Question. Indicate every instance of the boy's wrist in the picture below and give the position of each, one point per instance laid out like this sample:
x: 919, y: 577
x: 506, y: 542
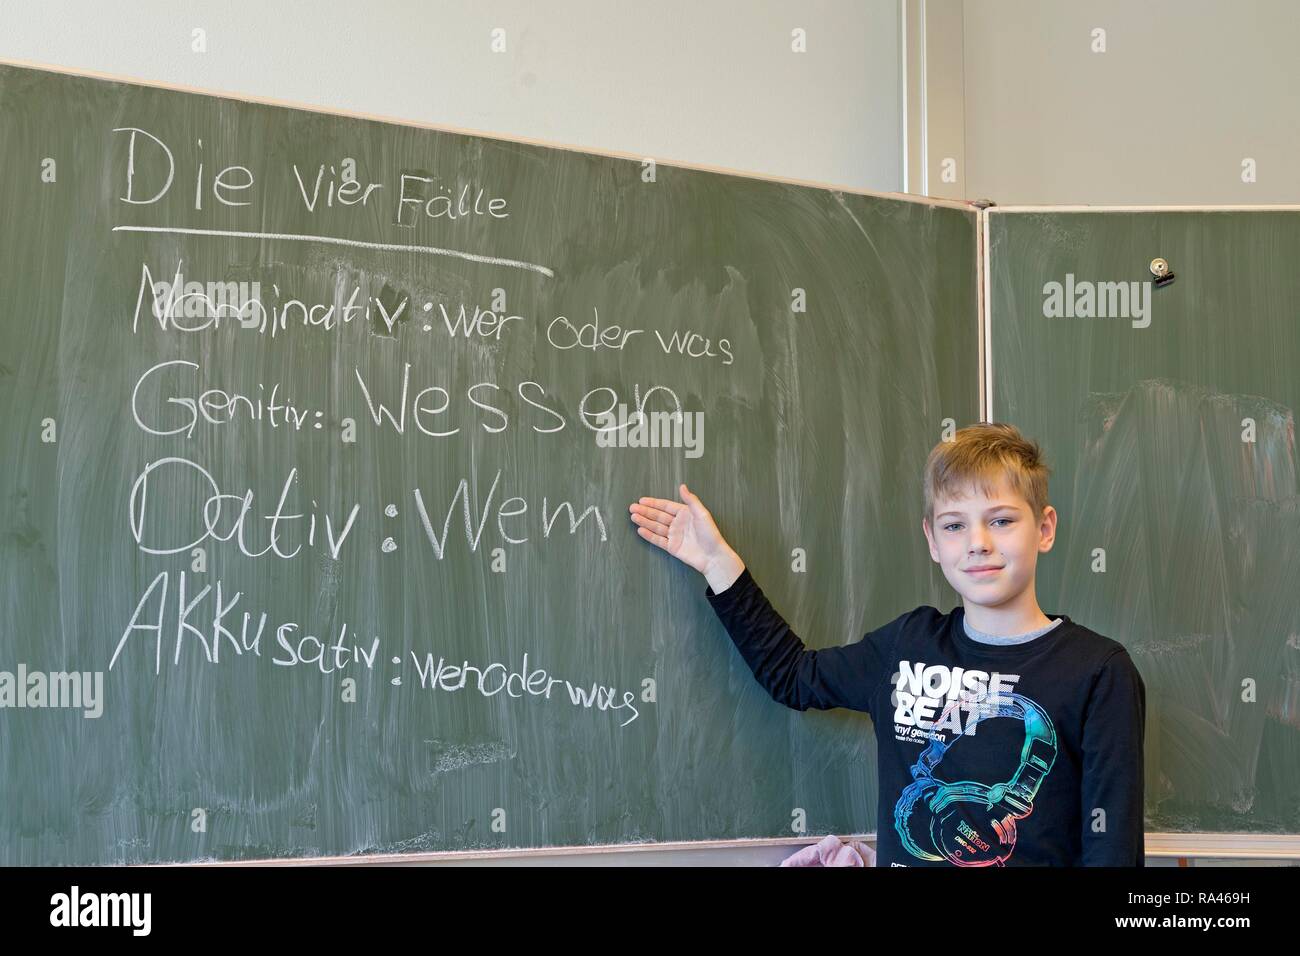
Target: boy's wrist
x: 722, y: 571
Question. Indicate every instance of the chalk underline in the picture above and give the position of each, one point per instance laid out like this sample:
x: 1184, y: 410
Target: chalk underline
x: 386, y: 246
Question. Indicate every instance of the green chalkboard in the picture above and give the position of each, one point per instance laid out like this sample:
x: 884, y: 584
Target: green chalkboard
x: 284, y: 512
x: 1169, y: 417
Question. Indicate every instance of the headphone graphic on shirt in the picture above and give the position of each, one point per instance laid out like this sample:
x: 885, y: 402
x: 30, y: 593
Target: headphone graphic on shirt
x: 929, y: 815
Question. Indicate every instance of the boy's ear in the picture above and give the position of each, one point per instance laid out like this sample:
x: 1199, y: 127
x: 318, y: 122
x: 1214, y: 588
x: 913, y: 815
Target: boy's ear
x: 1047, y: 529
x: 929, y: 538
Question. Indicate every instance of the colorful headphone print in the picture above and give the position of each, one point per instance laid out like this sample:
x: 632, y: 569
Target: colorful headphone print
x: 969, y: 823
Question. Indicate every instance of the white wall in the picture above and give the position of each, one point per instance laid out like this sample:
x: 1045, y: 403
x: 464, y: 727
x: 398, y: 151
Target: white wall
x: 709, y: 82
x: 1185, y: 91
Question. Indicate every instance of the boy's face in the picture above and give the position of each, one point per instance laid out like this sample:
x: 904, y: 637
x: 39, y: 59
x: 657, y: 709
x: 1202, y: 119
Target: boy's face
x: 998, y: 533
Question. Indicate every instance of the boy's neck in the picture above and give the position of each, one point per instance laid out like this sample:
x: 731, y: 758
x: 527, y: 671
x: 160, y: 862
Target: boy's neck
x: 1020, y: 615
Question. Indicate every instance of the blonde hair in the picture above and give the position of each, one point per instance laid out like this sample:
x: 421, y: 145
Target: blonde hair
x: 981, y: 455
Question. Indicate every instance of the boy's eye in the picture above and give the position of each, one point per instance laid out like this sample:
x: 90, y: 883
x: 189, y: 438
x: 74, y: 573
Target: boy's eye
x: 958, y: 524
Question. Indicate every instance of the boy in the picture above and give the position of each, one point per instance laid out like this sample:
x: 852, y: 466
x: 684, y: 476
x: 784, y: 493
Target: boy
x: 1057, y: 784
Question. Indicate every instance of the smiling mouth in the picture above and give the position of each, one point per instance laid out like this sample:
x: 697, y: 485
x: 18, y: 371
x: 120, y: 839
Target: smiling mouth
x: 982, y: 571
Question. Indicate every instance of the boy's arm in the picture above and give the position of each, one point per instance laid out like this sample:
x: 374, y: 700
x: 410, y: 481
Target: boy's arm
x: 795, y: 676
x: 1113, y: 728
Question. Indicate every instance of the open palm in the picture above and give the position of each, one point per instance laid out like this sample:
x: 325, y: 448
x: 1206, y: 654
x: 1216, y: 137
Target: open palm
x: 685, y: 530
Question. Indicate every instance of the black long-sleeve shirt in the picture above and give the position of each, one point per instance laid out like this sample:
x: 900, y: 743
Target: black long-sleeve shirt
x: 1010, y: 755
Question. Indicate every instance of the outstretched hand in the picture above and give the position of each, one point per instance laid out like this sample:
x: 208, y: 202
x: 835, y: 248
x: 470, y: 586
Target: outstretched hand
x: 685, y: 530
